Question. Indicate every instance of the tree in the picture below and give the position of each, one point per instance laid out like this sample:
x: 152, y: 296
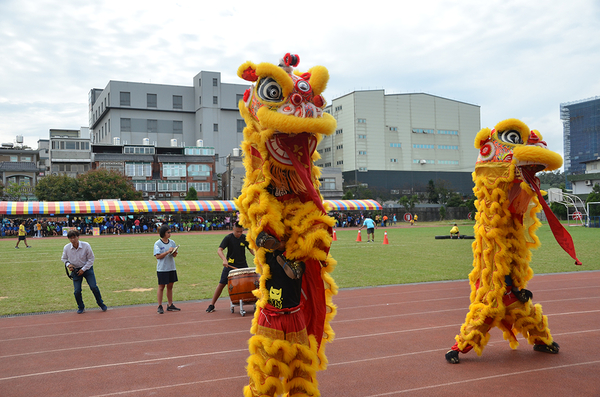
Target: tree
x: 442, y: 213
x: 594, y: 197
x: 432, y: 194
x: 559, y: 210
x: 554, y: 179
x: 191, y: 194
x: 409, y: 202
x: 102, y: 184
x: 1, y: 189
x: 56, y: 188
x: 348, y: 195
x: 455, y: 200
x: 14, y: 191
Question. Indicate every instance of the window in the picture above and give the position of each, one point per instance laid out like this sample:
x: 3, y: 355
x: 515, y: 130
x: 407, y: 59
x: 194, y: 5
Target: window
x: 151, y: 100
x: 327, y: 165
x: 199, y: 101
x: 240, y: 125
x: 16, y: 158
x: 448, y: 162
x: 215, y: 82
x: 125, y: 98
x: 327, y: 183
x: 448, y: 147
x: 393, y: 160
x: 216, y: 127
x: 215, y: 100
x: 338, y: 147
x: 340, y: 131
x: 70, y: 145
x: 200, y: 128
x: 362, y: 169
x: 177, y: 102
x: 152, y: 125
x: 125, y: 125
x: 25, y: 158
x: 422, y: 131
x: 177, y: 127
x: 418, y: 146
x: 173, y: 169
x: 138, y: 150
x: 339, y: 162
x: 448, y: 132
x: 362, y: 121
x: 198, y: 170
x: 138, y: 169
x: 200, y: 151
x: 144, y: 186
x: 200, y: 186
x: 420, y: 161
x: 362, y: 136
x: 395, y: 145
x: 362, y: 152
x: 238, y: 98
x: 338, y: 108
x: 393, y: 128
x: 172, y: 187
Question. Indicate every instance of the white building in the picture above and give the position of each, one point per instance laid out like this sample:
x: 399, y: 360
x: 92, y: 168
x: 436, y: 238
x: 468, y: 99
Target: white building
x: 204, y: 114
x: 584, y: 183
x: 399, y: 142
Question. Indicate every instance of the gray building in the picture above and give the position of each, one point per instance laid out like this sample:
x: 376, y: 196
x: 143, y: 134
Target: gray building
x: 69, y: 152
x: 399, y: 142
x: 19, y: 166
x: 204, y: 114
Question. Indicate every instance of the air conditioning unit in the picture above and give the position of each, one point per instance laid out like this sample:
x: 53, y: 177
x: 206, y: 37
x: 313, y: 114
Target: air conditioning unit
x: 181, y: 194
x: 168, y: 194
x: 161, y: 195
x: 145, y: 194
x: 152, y: 197
x: 588, y: 183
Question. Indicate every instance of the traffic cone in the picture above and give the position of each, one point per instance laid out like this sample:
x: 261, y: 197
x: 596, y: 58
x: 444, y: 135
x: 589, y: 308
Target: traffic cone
x: 334, y: 236
x: 385, y: 239
x: 358, y: 239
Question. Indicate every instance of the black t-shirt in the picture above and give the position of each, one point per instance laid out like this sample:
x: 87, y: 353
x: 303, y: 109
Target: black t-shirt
x: 236, y: 256
x: 284, y: 292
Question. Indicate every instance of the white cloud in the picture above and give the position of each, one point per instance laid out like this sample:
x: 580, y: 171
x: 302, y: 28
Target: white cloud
x: 513, y: 58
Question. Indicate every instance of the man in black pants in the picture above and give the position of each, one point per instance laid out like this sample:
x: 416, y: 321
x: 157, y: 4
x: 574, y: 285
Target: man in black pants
x: 236, y: 244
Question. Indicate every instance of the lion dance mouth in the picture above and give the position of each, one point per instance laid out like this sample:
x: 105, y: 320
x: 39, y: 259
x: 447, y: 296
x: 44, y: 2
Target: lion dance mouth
x: 284, y: 146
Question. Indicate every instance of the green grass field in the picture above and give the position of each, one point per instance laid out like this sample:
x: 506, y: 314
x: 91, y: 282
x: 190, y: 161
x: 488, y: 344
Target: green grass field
x: 34, y: 280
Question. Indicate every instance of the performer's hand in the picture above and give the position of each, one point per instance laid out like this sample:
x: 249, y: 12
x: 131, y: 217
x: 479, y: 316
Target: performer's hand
x: 80, y: 272
x: 225, y: 264
x: 71, y: 267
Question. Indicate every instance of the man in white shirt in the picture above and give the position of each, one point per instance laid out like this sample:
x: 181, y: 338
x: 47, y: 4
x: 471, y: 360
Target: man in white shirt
x: 79, y: 259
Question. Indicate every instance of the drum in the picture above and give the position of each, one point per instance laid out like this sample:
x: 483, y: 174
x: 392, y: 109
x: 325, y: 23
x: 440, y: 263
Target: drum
x: 241, y: 283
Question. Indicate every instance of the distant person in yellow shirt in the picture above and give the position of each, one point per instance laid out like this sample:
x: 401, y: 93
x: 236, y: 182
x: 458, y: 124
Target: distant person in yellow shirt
x: 22, y: 235
x: 454, y: 233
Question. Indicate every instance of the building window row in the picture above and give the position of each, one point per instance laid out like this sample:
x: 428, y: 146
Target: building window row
x: 70, y: 145
x: 327, y: 165
x: 338, y: 108
x: 151, y: 100
x: 200, y: 186
x: 393, y: 128
x: 199, y: 170
x: 172, y: 187
x: 421, y: 146
x: 448, y: 147
x: 422, y: 161
x: 138, y: 169
x: 200, y: 151
x: 327, y: 183
x: 360, y: 136
x: 362, y: 121
x: 340, y: 162
x: 151, y: 126
x: 393, y: 144
x: 448, y: 162
x: 173, y: 169
x: 448, y: 132
x: 362, y: 152
x: 338, y: 147
x: 138, y: 150
x: 423, y: 131
x: 340, y: 131
x: 393, y: 160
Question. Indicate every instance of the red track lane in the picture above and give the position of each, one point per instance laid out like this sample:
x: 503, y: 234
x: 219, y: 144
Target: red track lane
x: 390, y: 341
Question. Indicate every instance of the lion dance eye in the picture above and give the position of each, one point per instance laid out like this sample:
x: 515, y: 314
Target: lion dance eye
x: 487, y: 151
x: 303, y: 86
x: 510, y: 136
x: 269, y: 90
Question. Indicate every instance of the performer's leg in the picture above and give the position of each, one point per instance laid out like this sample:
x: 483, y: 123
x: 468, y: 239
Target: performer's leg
x: 474, y: 334
x: 529, y: 321
x: 265, y: 367
x: 303, y: 368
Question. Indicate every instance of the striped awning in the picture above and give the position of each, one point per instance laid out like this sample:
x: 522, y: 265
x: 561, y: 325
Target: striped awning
x: 352, y: 205
x: 141, y: 207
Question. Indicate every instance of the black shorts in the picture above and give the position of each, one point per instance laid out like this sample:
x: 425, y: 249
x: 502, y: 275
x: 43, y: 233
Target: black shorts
x: 371, y: 230
x: 165, y: 278
x: 225, y: 273
x: 21, y: 238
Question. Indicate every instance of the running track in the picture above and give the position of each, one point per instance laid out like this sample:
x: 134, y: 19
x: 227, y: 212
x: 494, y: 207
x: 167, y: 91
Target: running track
x: 390, y: 341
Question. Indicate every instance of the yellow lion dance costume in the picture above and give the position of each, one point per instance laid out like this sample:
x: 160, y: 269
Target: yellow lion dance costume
x: 508, y: 198
x: 288, y: 226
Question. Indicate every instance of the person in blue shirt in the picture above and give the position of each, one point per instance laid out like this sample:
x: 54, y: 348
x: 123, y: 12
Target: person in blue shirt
x: 370, y: 224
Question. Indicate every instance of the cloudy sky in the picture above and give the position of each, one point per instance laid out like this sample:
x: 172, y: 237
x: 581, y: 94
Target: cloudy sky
x: 513, y: 58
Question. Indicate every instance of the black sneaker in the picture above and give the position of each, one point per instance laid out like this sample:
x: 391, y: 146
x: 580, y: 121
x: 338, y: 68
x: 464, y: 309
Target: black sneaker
x: 211, y: 308
x: 552, y: 349
x: 452, y: 357
x: 160, y: 309
x: 172, y: 308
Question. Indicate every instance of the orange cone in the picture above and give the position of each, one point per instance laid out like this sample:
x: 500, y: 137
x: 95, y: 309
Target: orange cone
x: 334, y: 236
x: 385, y: 239
x: 358, y: 239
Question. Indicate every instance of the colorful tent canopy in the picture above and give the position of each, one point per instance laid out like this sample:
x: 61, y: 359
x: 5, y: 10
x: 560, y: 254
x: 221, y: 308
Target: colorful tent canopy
x: 141, y: 207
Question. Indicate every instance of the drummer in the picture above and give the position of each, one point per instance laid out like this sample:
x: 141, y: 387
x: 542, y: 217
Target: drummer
x: 236, y: 244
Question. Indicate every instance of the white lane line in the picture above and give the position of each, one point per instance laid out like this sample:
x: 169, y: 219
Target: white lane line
x: 139, y: 362
x: 126, y: 343
x: 485, y: 378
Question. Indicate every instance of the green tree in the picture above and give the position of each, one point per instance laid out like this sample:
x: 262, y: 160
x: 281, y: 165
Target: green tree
x: 409, y: 202
x: 432, y: 193
x: 348, y: 195
x: 442, y: 213
x: 594, y: 197
x: 102, y: 184
x: 14, y: 191
x: 56, y: 188
x: 192, y: 194
x: 1, y: 190
x: 559, y: 210
x: 455, y: 200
